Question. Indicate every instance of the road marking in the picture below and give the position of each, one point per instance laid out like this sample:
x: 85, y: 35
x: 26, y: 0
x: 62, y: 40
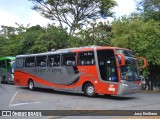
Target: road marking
x: 11, y: 105
x: 18, y: 104
x: 13, y: 98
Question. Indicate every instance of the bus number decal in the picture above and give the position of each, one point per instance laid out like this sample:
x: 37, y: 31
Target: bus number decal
x: 111, y: 88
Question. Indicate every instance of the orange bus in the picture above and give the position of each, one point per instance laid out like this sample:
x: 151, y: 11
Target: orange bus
x: 91, y: 69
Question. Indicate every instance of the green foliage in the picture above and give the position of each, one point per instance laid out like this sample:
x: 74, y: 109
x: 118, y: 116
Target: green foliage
x: 97, y: 34
x: 52, y: 38
x: 33, y: 39
x: 73, y: 13
x: 75, y: 41
x: 6, y: 33
x: 142, y: 37
x: 150, y: 9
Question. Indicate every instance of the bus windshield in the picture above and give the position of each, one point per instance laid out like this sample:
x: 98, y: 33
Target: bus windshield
x: 130, y: 71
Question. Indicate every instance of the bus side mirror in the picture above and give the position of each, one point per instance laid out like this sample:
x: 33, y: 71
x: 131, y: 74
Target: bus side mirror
x: 144, y: 62
x: 121, y: 59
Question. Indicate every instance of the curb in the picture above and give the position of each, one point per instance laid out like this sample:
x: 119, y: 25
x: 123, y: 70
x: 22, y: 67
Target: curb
x: 150, y: 91
x: 145, y: 117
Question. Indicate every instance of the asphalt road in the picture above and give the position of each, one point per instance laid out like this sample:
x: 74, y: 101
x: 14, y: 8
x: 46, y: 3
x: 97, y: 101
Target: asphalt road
x: 20, y: 98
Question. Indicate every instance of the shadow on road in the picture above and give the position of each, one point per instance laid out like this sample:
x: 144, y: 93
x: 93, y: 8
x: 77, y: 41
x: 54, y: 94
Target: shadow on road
x: 51, y: 91
x: 6, y: 83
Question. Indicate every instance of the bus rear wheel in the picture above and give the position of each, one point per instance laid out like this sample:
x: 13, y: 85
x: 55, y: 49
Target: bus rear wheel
x: 89, y: 90
x: 31, y: 85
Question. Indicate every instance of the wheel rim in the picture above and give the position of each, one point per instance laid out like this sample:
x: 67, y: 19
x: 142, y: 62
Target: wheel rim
x: 90, y: 90
x: 31, y: 85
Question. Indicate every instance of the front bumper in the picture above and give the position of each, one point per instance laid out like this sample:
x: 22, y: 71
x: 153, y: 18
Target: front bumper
x: 128, y: 88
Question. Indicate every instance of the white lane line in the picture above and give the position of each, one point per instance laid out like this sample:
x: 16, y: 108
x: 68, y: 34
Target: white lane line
x: 23, y: 104
x: 11, y: 105
x: 13, y: 98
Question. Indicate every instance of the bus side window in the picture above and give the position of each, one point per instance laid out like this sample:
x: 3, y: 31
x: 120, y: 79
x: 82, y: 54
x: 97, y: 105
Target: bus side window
x: 41, y: 61
x: 53, y: 60
x: 30, y: 62
x: 20, y: 62
x: 69, y: 59
x: 86, y: 58
x: 2, y: 64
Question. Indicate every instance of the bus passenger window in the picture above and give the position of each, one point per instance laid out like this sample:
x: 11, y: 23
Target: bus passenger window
x: 86, y: 58
x: 53, y: 60
x: 41, y: 61
x: 69, y: 59
x: 29, y: 62
x: 2, y: 64
x: 19, y: 62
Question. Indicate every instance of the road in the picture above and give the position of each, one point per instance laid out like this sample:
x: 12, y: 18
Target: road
x: 20, y: 98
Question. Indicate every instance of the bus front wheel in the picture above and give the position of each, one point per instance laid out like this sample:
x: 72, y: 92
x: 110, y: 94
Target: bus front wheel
x: 31, y: 85
x: 89, y: 90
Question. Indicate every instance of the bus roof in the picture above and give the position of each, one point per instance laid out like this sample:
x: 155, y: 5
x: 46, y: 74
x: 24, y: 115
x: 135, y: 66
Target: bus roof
x: 69, y: 50
x: 8, y: 58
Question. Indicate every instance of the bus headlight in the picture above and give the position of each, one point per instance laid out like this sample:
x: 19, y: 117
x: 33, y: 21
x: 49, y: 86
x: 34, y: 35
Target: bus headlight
x: 124, y: 84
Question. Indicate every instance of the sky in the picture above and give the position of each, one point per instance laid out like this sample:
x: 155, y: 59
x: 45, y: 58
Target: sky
x: 20, y: 11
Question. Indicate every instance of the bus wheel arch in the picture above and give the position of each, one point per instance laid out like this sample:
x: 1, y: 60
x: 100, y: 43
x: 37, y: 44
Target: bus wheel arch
x: 88, y: 89
x: 31, y: 84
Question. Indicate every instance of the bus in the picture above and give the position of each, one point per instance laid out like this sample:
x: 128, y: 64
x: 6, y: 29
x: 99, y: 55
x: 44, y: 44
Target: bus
x: 91, y: 70
x: 7, y: 65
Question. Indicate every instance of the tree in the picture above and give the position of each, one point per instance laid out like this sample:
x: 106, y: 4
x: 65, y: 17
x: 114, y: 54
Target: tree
x: 142, y: 36
x: 133, y: 33
x: 6, y: 33
x: 98, y: 34
x: 150, y: 9
x: 52, y: 38
x: 21, y: 28
x: 73, y: 13
x: 35, y: 39
x: 28, y: 38
x: 2, y: 44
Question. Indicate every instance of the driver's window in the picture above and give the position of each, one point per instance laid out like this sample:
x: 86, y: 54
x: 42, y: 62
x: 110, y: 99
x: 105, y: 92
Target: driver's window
x: 111, y: 70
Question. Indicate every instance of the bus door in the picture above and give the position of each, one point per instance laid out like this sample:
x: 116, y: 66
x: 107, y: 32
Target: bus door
x: 111, y: 70
x: 108, y: 70
x: 107, y: 65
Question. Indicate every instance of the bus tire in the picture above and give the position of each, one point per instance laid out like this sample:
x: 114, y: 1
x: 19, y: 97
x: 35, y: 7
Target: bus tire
x: 89, y: 90
x: 3, y: 79
x: 31, y: 85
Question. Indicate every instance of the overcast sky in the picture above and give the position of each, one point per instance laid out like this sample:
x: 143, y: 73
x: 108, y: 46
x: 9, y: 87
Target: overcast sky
x: 20, y: 11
